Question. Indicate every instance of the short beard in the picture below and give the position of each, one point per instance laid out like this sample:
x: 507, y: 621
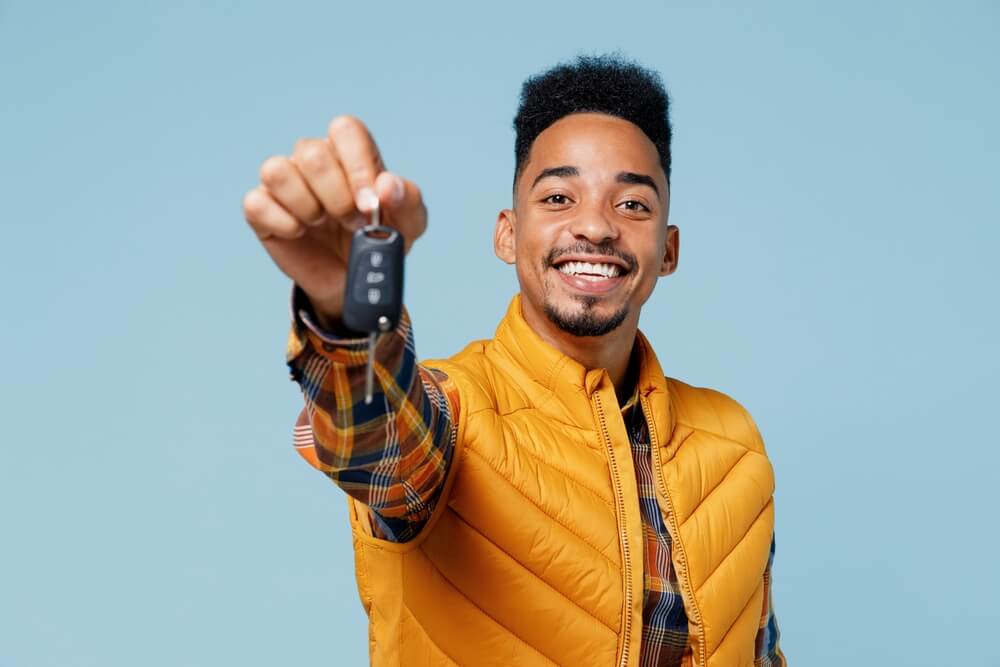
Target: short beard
x: 586, y: 323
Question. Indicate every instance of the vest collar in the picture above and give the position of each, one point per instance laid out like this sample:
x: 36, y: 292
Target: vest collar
x: 556, y: 372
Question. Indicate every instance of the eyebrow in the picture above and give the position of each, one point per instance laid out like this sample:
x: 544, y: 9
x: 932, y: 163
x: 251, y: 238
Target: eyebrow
x: 622, y: 176
x: 637, y: 179
x: 558, y: 172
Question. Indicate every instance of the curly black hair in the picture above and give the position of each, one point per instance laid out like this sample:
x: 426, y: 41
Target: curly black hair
x: 608, y: 84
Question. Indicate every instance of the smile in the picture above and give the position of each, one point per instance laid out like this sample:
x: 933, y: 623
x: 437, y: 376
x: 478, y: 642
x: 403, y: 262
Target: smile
x: 592, y: 278
x: 589, y: 271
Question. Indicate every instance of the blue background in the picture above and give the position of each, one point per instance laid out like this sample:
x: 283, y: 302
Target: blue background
x: 835, y: 182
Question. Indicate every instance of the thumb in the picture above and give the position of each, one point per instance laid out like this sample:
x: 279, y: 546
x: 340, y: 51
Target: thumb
x: 402, y: 205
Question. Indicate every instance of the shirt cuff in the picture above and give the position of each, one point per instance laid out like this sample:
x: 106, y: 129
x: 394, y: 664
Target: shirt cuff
x: 306, y: 333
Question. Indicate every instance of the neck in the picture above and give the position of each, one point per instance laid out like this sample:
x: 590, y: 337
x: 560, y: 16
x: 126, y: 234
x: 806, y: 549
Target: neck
x: 611, y: 351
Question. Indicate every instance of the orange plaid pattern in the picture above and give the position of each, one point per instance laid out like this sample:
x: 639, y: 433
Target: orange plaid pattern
x: 391, y: 454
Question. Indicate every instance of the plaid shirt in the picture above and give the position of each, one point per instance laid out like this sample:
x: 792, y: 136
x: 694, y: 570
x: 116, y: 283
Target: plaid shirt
x: 393, y: 455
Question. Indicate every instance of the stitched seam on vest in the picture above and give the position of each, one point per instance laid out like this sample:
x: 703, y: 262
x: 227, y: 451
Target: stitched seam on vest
x: 735, y: 621
x: 546, y: 385
x: 554, y: 371
x: 606, y: 502
x: 545, y: 583
x: 426, y: 634
x: 722, y: 481
x: 735, y: 546
x: 541, y: 509
x: 537, y: 407
x: 516, y: 382
x: 481, y: 610
x: 718, y: 435
x: 678, y: 446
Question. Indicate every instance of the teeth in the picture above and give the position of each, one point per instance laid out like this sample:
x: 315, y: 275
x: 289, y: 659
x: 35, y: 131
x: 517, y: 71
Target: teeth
x: 588, y: 270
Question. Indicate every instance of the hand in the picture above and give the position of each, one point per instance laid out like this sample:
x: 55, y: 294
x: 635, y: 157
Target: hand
x: 308, y: 206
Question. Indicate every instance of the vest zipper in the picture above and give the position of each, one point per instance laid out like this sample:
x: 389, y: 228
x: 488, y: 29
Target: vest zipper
x: 622, y: 532
x: 673, y: 529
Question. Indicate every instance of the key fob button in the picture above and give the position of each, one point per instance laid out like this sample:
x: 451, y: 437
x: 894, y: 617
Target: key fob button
x: 374, y: 290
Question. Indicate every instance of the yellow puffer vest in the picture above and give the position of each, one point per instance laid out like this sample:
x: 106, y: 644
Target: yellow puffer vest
x: 534, y: 553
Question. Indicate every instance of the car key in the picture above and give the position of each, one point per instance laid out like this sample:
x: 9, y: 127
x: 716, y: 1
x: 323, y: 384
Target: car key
x: 373, y: 296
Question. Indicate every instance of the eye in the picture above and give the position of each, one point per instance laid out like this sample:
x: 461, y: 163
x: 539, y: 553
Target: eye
x: 557, y: 199
x: 634, y: 205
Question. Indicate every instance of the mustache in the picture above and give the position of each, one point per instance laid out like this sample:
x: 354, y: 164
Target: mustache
x: 587, y: 248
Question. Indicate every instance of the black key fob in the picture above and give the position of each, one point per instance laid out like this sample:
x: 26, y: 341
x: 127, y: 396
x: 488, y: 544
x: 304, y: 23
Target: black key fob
x: 373, y: 296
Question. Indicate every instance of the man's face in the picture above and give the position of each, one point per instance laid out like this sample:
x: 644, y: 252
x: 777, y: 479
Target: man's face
x: 588, y: 231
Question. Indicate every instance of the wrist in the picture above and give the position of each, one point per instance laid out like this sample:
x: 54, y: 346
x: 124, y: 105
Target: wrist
x: 328, y: 321
x: 326, y: 313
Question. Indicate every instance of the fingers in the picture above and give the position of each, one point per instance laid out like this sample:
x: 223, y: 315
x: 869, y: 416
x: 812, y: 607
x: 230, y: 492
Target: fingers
x: 336, y: 179
x: 390, y: 190
x: 403, y: 204
x: 358, y: 155
x: 268, y: 218
x: 325, y: 178
x: 287, y: 186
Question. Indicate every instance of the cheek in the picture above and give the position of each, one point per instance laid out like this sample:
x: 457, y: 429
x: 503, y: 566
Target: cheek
x: 529, y: 267
x: 531, y: 251
x: 532, y: 274
x: 651, y: 263
x: 652, y: 254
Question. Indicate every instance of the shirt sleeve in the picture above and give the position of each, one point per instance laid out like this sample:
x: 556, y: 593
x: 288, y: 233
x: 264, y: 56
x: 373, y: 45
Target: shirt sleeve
x: 391, y: 454
x: 767, y: 652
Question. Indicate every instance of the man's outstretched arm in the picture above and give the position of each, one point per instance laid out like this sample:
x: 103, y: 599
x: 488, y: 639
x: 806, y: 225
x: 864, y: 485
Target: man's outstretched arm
x: 391, y: 454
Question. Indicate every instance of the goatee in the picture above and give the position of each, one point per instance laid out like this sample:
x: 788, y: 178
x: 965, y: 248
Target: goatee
x: 586, y: 322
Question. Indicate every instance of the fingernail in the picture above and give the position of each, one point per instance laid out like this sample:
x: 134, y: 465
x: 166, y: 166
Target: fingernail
x: 366, y: 199
x: 398, y: 190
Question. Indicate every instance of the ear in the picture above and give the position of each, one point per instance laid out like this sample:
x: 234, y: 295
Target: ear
x: 504, y: 241
x: 671, y: 251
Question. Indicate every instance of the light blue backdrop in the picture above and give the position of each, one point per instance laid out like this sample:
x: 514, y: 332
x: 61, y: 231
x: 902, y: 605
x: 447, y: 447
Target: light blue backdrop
x: 836, y: 187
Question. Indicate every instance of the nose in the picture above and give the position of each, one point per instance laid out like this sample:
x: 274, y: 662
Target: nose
x: 594, y: 226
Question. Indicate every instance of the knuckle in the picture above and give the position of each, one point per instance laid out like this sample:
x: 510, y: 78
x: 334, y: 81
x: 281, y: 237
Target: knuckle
x: 342, y: 208
x: 360, y: 171
x: 312, y: 156
x: 274, y: 171
x: 254, y: 205
x: 344, y: 122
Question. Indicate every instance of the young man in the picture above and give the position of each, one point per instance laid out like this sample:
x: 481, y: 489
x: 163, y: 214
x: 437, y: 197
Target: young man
x: 547, y: 496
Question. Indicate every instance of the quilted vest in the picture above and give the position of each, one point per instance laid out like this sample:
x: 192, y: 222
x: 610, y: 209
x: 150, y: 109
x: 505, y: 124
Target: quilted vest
x: 534, y: 554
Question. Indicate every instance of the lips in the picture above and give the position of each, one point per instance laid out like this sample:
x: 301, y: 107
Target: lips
x: 591, y: 275
x: 590, y: 284
x: 591, y: 269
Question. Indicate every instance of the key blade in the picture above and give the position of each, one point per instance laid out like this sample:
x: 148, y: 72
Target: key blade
x: 375, y: 212
x: 370, y: 369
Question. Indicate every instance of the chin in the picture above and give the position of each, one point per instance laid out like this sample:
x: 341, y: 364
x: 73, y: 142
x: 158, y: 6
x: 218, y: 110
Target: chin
x: 584, y: 318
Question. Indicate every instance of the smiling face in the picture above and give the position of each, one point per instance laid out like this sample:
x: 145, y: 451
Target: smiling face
x: 588, y: 232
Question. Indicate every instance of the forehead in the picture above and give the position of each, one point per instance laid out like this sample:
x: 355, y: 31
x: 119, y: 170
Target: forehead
x: 596, y: 143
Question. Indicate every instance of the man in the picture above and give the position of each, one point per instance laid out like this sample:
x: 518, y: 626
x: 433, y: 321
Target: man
x: 547, y: 496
